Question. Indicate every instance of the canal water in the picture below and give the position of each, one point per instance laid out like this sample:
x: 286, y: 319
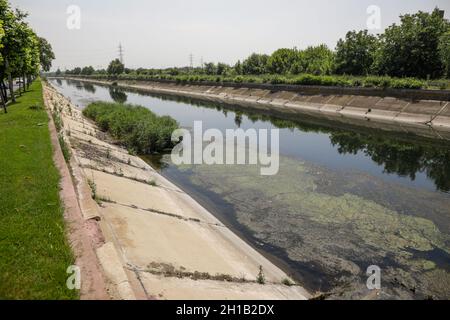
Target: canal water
x: 345, y: 198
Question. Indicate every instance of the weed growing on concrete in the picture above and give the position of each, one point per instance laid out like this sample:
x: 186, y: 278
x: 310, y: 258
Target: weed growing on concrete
x: 64, y: 148
x: 261, y: 279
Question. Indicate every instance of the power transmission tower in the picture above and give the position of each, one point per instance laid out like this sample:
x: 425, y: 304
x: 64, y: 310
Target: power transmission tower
x: 191, y: 61
x: 120, y: 52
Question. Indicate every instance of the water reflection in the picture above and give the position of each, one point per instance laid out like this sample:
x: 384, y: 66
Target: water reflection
x: 404, y: 159
x: 327, y: 220
x: 118, y: 95
x: 81, y: 85
x: 89, y: 87
x: 397, y: 153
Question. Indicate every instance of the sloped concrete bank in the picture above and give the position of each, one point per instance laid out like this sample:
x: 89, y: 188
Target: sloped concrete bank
x: 158, y: 242
x: 429, y: 118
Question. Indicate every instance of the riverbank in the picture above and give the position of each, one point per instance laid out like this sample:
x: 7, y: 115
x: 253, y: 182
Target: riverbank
x: 34, y: 251
x: 158, y: 242
x: 428, y: 118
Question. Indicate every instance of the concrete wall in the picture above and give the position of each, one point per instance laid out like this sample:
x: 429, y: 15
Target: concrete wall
x: 429, y: 118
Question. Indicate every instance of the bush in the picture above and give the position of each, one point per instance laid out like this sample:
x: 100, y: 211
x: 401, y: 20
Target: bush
x: 303, y: 79
x: 376, y: 82
x: 407, y: 83
x: 136, y: 127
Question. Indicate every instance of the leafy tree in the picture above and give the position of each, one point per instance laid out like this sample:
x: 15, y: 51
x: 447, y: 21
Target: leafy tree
x: 210, y: 68
x: 2, y: 96
x: 9, y: 44
x: 58, y: 72
x: 355, y: 55
x: 87, y: 70
x: 2, y: 34
x: 411, y: 48
x: 317, y: 60
x: 222, y: 68
x: 444, y: 51
x: 46, y: 54
x: 116, y: 67
x: 238, y: 67
x: 255, y: 64
x: 282, y: 61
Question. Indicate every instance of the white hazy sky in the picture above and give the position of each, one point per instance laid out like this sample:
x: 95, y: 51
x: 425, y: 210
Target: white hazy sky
x: 156, y: 33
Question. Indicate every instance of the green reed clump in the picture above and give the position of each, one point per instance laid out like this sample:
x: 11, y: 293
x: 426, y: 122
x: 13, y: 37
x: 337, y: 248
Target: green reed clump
x: 139, y: 129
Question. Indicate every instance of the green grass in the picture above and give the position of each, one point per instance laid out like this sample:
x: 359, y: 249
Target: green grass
x: 34, y: 251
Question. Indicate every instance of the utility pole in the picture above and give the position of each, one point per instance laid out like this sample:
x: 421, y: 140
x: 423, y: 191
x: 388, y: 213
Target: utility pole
x: 120, y: 53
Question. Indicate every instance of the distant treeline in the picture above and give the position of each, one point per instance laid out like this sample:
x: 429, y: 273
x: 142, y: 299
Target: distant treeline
x: 418, y: 49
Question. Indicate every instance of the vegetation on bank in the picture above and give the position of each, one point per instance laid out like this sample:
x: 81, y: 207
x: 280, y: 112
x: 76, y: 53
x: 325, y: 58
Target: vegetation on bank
x: 34, y: 252
x: 304, y: 79
x: 139, y: 129
x: 411, y: 55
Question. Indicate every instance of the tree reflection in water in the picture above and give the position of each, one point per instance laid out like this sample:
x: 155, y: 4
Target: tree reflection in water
x: 395, y: 152
x: 118, y: 95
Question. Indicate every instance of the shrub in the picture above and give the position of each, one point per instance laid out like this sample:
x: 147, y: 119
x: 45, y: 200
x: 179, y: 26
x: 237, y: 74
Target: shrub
x: 376, y: 82
x: 261, y: 279
x: 64, y: 148
x: 407, y: 83
x: 58, y: 121
x: 136, y: 127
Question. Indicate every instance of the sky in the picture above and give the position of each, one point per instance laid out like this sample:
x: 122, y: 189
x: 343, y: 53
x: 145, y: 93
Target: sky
x: 158, y: 34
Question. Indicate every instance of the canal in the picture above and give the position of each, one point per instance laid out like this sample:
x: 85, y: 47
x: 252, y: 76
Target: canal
x: 345, y: 197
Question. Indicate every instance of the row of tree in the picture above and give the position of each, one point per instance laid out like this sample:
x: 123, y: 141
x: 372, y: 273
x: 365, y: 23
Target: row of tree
x: 22, y: 52
x: 115, y: 67
x: 419, y: 46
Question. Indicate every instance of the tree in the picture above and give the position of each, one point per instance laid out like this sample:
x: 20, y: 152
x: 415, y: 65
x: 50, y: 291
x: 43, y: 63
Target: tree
x: 411, y: 48
x: 238, y: 67
x: 87, y: 71
x: 282, y: 61
x: 255, y: 64
x: 58, y: 72
x: 355, y: 55
x: 444, y: 52
x: 19, y: 50
x: 10, y: 44
x: 46, y: 54
x: 210, y: 68
x: 116, y: 67
x: 222, y: 68
x: 317, y: 60
x: 2, y: 34
x: 76, y: 71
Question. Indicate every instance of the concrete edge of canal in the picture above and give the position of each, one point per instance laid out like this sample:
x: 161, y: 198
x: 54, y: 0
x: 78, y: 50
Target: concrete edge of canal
x: 427, y: 118
x: 146, y: 238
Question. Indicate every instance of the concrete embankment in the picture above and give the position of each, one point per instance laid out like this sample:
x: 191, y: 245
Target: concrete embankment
x: 158, y: 242
x: 429, y: 118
